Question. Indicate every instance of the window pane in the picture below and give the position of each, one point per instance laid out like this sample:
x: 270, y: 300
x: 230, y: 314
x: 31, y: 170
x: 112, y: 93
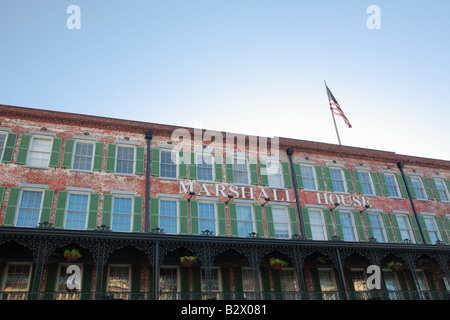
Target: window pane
x: 125, y: 160
x: 308, y: 177
x: 392, y: 185
x: 317, y: 224
x: 2, y: 144
x: 121, y: 215
x: 366, y: 183
x: 82, y: 158
x: 338, y: 182
x: 119, y: 279
x: 417, y: 185
x: 442, y: 190
x: 77, y: 209
x: 206, y: 216
x: 347, y: 226
x: 29, y: 208
x: 240, y: 170
x: 274, y: 174
x: 377, y: 227
x: 17, y: 280
x: 168, y: 216
x: 280, y: 222
x: 39, y: 154
x: 168, y: 164
x: 244, y: 220
x: 204, y: 167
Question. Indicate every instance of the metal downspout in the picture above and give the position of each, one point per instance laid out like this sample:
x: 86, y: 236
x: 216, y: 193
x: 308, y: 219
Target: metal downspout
x: 289, y: 152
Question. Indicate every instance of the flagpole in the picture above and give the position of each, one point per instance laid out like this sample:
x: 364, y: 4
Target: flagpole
x: 334, y: 119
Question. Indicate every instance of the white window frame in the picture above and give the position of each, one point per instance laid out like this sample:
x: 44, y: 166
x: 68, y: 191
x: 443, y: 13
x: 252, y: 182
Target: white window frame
x: 29, y: 152
x: 16, y: 218
x: 67, y: 208
x: 353, y: 226
x: 124, y: 294
x: 313, y: 169
x: 422, y: 188
x: 335, y: 291
x: 116, y: 159
x: 92, y: 155
x: 444, y: 185
x: 381, y: 222
x: 237, y: 158
x: 202, y: 156
x: 131, y: 213
x: 410, y: 230
x: 277, y: 162
x: 396, y: 186
x: 2, y: 147
x: 287, y: 223
x: 5, y: 275
x: 216, y: 220
x: 177, y: 217
x: 436, y: 230
x: 288, y: 294
x: 177, y: 292
x: 250, y: 294
x: 252, y: 212
x: 219, y: 281
x: 372, y: 187
x: 176, y: 164
x: 344, y: 181
x: 60, y: 295
x: 323, y: 224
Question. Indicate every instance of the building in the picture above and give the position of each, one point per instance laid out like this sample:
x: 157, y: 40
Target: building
x: 134, y: 198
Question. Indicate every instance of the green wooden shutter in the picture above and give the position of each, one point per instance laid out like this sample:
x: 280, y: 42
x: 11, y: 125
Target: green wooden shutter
x: 182, y: 165
x: 221, y: 214
x: 435, y: 189
x: 440, y: 223
x: 195, y: 224
x: 233, y: 219
x: 111, y: 157
x: 60, y: 211
x: 10, y: 145
x: 226, y: 283
x: 447, y: 223
x: 155, y: 161
x: 229, y: 168
x: 218, y: 167
x: 86, y: 285
x: 267, y: 288
x: 137, y: 213
x: 326, y: 170
x: 328, y: 223
x: 425, y: 230
x: 154, y: 213
x: 263, y: 169
x: 135, y: 281
x: 254, y: 171
x: 359, y: 226
x: 98, y: 156
x: 238, y: 285
x: 197, y: 283
x: 337, y: 221
x: 23, y: 148
x: 319, y: 176
x: 47, y: 205
x: 384, y: 184
x: 411, y: 188
x: 388, y: 226
x: 295, y: 230
x: 56, y: 152
x: 107, y: 209
x: 140, y: 153
x: 316, y: 283
x: 193, y: 167
x: 2, y: 193
x: 94, y: 199
x: 269, y: 222
x: 11, y: 206
x: 50, y: 281
x: 184, y: 223
x: 259, y: 220
x: 368, y: 224
x: 415, y: 228
x: 307, y: 224
x: 184, y: 282
x: 402, y: 186
x: 426, y: 184
x: 286, y: 174
x: 376, y: 183
x: 68, y: 152
x: 298, y: 175
x: 397, y: 232
x: 357, y: 181
x: 348, y: 179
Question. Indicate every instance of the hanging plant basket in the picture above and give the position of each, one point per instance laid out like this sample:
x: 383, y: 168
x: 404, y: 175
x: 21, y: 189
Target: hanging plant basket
x: 277, y: 264
x: 72, y: 255
x: 395, y: 266
x: 188, y: 261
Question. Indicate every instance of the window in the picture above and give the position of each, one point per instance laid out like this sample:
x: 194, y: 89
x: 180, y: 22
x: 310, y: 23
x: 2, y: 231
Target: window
x: 366, y: 182
x: 418, y: 188
x: 168, y: 283
x: 289, y: 285
x: 168, y: 216
x: 274, y: 174
x: 359, y: 278
x: 240, y: 170
x: 337, y: 180
x: 348, y: 227
x: 309, y: 181
x: 281, y: 222
x: 207, y: 216
x: 16, y: 282
x: 392, y: 286
x: 168, y: 167
x: 377, y: 227
x: 2, y: 144
x: 392, y: 186
x: 317, y: 224
x: 125, y: 160
x: 405, y: 228
x: 205, y: 170
x: 119, y: 281
x: 248, y: 284
x: 40, y: 152
x: 61, y: 290
x: 430, y: 223
x: 214, y: 284
x: 244, y: 220
x: 122, y: 214
x: 29, y: 208
x: 442, y: 190
x: 423, y: 285
x: 83, y: 155
x: 328, y: 284
x: 77, y: 211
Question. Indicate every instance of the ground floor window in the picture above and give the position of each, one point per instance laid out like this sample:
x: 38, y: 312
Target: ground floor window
x: 119, y: 281
x: 16, y: 282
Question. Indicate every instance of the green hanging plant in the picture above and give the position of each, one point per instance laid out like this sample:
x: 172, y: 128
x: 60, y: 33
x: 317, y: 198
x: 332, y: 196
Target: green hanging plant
x: 277, y: 264
x: 188, y: 261
x: 72, y: 255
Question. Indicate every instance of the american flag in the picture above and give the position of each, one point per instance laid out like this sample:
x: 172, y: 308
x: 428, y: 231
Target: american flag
x: 334, y: 105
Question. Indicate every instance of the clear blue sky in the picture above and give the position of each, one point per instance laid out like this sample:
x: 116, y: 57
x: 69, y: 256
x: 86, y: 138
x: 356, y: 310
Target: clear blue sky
x: 254, y: 67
